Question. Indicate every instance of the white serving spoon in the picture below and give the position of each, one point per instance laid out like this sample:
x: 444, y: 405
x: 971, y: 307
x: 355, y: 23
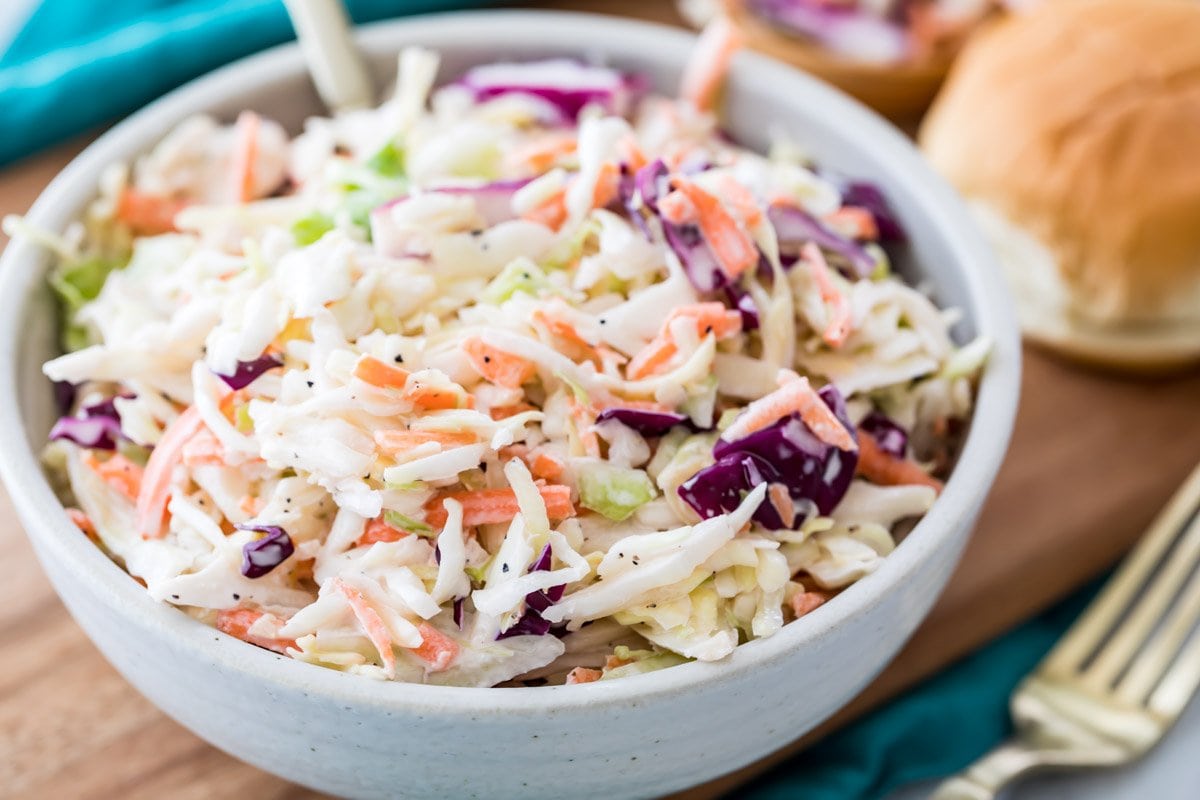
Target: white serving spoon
x: 338, y: 70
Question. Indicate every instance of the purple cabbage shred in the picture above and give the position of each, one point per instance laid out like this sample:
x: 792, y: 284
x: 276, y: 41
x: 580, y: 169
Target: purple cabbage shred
x: 891, y: 437
x: 816, y: 475
x: 647, y: 423
x: 263, y: 555
x: 531, y: 622
x: 247, y: 372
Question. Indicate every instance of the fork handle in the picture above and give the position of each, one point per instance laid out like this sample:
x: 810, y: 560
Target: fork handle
x: 984, y: 779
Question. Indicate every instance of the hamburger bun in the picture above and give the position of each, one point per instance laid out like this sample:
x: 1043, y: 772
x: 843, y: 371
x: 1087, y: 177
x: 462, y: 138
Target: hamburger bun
x: 1074, y: 131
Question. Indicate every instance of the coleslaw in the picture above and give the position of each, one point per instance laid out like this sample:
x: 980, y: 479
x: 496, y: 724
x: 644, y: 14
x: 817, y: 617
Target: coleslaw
x: 532, y: 378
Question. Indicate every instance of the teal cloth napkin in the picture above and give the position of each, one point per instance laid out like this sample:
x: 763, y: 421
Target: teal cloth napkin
x: 931, y: 731
x: 79, y: 63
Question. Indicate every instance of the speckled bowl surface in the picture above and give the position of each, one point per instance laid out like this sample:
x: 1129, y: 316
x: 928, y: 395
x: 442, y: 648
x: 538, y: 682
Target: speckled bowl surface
x: 637, y: 737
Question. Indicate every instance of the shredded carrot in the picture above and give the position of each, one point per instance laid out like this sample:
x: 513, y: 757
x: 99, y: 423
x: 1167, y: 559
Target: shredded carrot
x: 545, y: 466
x: 712, y: 318
x: 509, y: 452
x: 612, y: 662
x: 539, y: 155
x: 375, y: 372
x: 203, y: 449
x: 237, y: 623
x: 504, y: 412
x: 730, y: 243
x: 483, y: 506
x: 794, y: 397
x: 118, y: 472
x: 640, y: 405
x: 499, y: 367
x: 156, y: 485
x: 438, y: 398
x: 837, y: 330
x: 554, y: 318
x: 740, y: 199
x: 854, y: 221
x: 606, y: 187
x: 677, y: 208
x: 652, y: 358
x: 610, y: 360
x: 394, y: 442
x: 584, y: 418
x: 147, y: 214
x: 371, y: 623
x: 437, y: 649
x: 82, y: 521
x: 378, y: 530
x: 781, y: 501
x: 250, y: 505
x: 583, y: 675
x: 631, y: 153
x: 541, y: 464
x: 229, y: 402
x: 804, y: 602
x: 244, y: 155
x: 709, y: 63
x: 881, y: 467
x: 552, y: 213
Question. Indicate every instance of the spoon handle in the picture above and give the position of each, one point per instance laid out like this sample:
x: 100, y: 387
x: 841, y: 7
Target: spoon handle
x: 337, y: 67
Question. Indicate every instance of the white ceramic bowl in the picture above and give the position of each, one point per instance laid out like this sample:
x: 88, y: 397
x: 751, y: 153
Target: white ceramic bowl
x: 636, y: 737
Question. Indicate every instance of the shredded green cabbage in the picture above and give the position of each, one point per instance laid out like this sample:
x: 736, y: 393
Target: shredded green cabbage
x: 520, y: 275
x: 614, y: 492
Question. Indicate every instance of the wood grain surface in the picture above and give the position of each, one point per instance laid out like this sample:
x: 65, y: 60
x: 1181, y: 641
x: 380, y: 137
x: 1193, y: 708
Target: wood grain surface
x: 1092, y: 460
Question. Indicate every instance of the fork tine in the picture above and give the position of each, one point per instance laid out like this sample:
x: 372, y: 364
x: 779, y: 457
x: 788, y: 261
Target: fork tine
x: 1135, y: 629
x: 1160, y: 653
x: 1179, y: 684
x: 1098, y: 620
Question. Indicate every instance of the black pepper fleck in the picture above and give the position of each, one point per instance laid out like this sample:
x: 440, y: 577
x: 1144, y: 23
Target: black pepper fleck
x: 399, y: 359
x: 310, y: 384
x: 504, y: 567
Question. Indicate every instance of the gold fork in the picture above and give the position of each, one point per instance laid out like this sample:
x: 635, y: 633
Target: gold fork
x: 1121, y: 675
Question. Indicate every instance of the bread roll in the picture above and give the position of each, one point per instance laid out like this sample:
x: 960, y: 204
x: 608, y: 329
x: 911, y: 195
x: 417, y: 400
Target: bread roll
x: 1074, y: 131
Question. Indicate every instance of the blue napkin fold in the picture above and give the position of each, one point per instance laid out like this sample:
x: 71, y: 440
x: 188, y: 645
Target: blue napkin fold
x: 79, y: 63
x: 931, y: 731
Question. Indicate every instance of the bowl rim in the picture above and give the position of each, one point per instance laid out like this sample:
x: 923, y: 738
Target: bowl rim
x: 57, y: 539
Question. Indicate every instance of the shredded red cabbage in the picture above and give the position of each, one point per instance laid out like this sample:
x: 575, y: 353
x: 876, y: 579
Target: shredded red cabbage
x: 794, y: 227
x: 99, y: 433
x: 844, y: 29
x: 263, y: 555
x: 869, y: 196
x: 64, y: 396
x: 647, y: 423
x: 741, y: 300
x: 574, y: 87
x: 247, y: 372
x: 686, y: 241
x: 99, y: 427
x: 531, y: 622
x: 626, y: 195
x: 890, y: 436
x: 815, y: 474
x: 493, y: 201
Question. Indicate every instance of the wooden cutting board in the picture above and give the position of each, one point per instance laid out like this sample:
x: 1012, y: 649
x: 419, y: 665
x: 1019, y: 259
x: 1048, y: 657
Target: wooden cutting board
x: 1093, y: 458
